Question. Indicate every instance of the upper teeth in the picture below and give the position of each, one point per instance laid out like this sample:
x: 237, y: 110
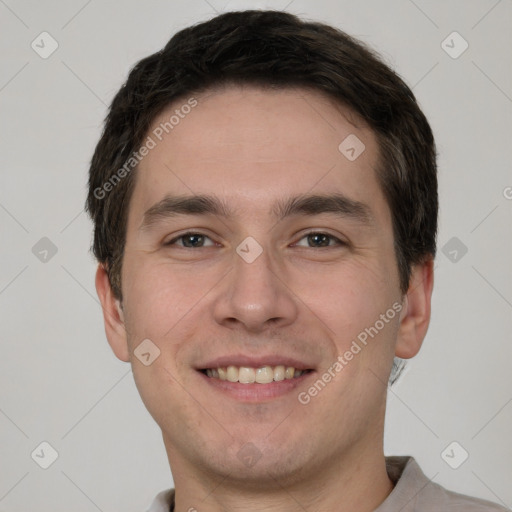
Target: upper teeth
x: 247, y: 375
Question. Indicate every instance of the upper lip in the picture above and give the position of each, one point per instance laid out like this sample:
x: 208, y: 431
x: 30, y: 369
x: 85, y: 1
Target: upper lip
x: 254, y: 362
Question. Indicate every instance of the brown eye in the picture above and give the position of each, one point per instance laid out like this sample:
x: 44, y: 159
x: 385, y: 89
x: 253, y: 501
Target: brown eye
x: 319, y: 239
x: 190, y: 241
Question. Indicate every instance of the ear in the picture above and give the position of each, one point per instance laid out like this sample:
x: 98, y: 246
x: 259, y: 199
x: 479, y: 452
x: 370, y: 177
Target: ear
x: 415, y: 315
x: 112, y: 315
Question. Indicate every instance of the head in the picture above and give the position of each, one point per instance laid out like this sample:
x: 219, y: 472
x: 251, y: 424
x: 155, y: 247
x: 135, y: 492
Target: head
x: 305, y: 174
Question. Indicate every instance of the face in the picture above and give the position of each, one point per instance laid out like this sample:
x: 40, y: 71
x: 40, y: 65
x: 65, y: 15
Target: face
x: 259, y: 262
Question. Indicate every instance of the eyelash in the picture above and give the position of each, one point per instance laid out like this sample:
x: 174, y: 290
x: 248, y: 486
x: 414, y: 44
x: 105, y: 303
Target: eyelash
x: 189, y: 233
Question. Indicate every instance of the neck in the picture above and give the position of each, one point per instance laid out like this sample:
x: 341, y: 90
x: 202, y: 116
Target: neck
x: 356, y: 481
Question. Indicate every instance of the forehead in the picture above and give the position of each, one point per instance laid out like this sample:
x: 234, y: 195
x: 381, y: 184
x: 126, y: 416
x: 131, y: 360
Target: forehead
x: 252, y: 145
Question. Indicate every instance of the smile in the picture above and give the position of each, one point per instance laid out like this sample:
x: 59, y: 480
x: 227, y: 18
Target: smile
x: 248, y: 375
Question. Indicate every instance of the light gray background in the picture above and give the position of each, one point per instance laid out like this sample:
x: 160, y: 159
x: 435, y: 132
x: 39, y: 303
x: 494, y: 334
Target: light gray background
x: 59, y: 381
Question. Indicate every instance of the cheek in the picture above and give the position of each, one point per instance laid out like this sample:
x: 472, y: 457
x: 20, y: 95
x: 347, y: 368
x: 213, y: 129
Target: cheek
x: 350, y: 301
x: 349, y: 295
x: 159, y: 295
x: 162, y: 392
x: 157, y: 302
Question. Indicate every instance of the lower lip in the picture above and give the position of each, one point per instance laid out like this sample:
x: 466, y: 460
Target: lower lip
x: 256, y: 392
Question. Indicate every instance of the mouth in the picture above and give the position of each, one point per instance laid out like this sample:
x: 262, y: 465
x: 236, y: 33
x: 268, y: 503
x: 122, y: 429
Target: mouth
x: 255, y: 380
x: 265, y: 374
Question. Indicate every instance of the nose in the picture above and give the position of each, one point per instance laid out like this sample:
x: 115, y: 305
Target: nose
x: 255, y: 296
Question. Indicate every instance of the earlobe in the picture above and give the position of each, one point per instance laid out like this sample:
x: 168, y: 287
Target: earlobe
x: 113, y: 316
x: 415, y: 315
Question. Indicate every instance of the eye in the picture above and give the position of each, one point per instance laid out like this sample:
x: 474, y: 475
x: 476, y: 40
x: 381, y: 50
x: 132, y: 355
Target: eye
x: 191, y: 240
x: 319, y: 239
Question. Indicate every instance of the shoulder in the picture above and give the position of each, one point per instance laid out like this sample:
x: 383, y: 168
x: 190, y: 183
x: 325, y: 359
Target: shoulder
x: 415, y: 492
x: 437, y: 496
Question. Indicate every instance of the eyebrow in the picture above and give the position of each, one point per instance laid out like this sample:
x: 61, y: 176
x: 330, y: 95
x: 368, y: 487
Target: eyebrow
x: 307, y: 205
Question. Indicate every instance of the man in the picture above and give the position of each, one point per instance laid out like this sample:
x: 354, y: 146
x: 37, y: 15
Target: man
x: 264, y: 197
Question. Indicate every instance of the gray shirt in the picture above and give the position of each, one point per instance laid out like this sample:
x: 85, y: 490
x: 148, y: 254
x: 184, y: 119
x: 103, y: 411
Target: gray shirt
x: 413, y: 492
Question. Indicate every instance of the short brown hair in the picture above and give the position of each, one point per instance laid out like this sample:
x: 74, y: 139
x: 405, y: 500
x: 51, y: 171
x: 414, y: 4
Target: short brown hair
x: 278, y: 50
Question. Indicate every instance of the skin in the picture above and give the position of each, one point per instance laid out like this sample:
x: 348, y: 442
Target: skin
x: 250, y: 148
